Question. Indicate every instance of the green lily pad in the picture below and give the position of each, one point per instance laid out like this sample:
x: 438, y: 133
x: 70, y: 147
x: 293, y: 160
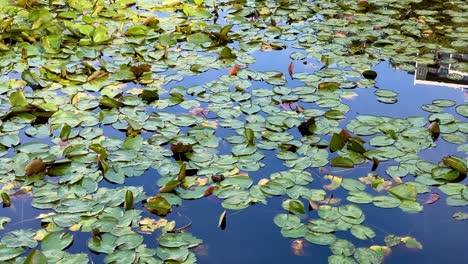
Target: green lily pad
x: 403, y: 191
x: 462, y: 110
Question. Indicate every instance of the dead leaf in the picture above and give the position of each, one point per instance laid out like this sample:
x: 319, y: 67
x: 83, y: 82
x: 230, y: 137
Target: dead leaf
x: 334, y: 184
x: 222, y: 220
x: 138, y: 70
x: 148, y: 20
x: 234, y: 70
x: 299, y: 108
x: 199, y: 111
x: 345, y: 135
x: 263, y: 181
x: 313, y: 205
x: 434, y: 129
x: 202, y: 181
x: 149, y: 225
x: 35, y: 166
x: 375, y: 163
x: 97, y: 74
x: 209, y: 190
x: 217, y: 178
x: 433, y: 197
x: 397, y: 180
x: 291, y: 69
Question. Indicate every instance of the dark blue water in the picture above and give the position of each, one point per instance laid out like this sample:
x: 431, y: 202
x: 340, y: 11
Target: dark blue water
x: 252, y: 237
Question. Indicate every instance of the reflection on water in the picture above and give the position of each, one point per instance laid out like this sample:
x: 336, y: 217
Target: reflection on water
x: 442, y: 72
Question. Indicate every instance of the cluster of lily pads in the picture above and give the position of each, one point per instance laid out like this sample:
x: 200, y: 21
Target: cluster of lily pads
x: 88, y: 96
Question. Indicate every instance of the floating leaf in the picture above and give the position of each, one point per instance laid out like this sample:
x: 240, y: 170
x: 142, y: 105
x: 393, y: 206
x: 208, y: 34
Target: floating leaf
x: 462, y: 110
x: 445, y: 174
x: 17, y: 98
x: 404, y: 191
x: 456, y: 163
x: 460, y: 216
x: 56, y: 241
x: 35, y: 257
x: 411, y: 242
x: 328, y: 86
x: 362, y: 232
x: 342, y: 162
x: 158, y: 205
x: 7, y: 253
x: 392, y: 240
x: 294, y: 206
x: 176, y: 240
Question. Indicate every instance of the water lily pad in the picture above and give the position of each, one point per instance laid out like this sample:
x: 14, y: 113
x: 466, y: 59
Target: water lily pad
x: 342, y: 162
x: 404, y: 191
x: 462, y: 110
x: 362, y: 232
x: 385, y: 93
x: 342, y: 247
x: 443, y: 102
x: 176, y: 240
x: 320, y: 238
x: 56, y: 241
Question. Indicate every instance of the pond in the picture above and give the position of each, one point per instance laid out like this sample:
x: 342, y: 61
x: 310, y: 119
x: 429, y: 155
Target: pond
x: 206, y: 131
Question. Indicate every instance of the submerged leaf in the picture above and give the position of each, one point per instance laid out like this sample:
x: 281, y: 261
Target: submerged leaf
x: 434, y: 197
